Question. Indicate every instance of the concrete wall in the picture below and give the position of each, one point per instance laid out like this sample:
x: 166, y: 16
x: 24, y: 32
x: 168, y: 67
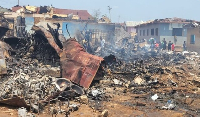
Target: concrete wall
x: 179, y: 42
x: 149, y: 27
x: 29, y: 22
x: 107, y: 31
x: 165, y: 30
x: 196, y: 46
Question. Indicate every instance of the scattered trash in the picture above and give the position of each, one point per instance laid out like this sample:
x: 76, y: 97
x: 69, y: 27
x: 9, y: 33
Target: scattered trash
x: 154, y: 97
x: 170, y: 105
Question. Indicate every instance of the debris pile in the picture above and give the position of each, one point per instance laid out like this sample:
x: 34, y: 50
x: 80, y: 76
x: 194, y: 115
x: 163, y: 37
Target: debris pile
x: 47, y: 75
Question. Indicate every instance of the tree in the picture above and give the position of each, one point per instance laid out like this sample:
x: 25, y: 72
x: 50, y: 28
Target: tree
x: 96, y: 14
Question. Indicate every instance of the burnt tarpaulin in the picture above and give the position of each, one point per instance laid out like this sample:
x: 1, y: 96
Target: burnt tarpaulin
x: 77, y: 65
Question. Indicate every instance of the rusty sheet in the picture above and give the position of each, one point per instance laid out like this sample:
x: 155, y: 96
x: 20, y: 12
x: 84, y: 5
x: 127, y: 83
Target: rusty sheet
x: 77, y: 65
x: 15, y: 101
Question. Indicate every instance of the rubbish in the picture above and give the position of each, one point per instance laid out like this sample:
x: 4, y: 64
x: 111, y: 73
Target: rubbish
x: 104, y: 113
x: 96, y: 94
x: 154, y: 97
x: 78, y: 90
x: 73, y: 107
x: 22, y: 112
x: 63, y: 84
x: 83, y: 66
x: 117, y: 82
x: 84, y: 99
x: 170, y: 105
x: 138, y: 80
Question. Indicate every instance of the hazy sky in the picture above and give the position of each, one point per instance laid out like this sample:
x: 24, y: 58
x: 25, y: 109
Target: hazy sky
x: 124, y: 10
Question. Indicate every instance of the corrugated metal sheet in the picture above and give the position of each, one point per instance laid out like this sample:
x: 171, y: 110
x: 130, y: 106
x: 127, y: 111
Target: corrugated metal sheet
x: 77, y: 65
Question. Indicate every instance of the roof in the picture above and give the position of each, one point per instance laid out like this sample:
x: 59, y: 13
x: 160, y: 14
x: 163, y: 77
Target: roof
x: 15, y: 8
x: 83, y: 14
x: 133, y: 23
x: 4, y: 9
x: 192, y: 25
x: 167, y: 20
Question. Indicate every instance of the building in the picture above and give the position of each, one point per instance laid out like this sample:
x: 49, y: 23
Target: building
x: 130, y: 27
x: 193, y: 37
x: 169, y: 28
x: 53, y: 12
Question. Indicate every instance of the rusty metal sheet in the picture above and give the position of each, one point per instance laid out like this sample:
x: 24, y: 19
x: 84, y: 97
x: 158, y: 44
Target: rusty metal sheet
x: 77, y: 65
x: 15, y: 101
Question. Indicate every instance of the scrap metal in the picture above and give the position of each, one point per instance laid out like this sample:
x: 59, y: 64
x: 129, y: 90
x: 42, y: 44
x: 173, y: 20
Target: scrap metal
x: 77, y: 65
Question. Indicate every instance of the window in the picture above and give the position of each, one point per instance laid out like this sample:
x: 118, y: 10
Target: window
x: 177, y: 32
x: 192, y: 39
x: 143, y: 32
x: 140, y: 32
x: 152, y: 32
x: 147, y: 32
x: 156, y: 31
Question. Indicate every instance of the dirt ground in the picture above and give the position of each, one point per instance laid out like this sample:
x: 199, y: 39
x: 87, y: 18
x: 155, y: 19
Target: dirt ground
x: 120, y: 105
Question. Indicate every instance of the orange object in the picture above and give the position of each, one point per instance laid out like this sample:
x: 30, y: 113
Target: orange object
x: 156, y: 45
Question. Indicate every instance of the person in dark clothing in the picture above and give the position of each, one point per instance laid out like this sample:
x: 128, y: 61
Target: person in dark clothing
x: 164, y: 44
x: 169, y: 46
x: 184, y: 46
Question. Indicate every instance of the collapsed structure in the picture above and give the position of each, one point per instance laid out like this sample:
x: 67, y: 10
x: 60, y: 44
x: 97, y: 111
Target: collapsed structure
x: 44, y: 72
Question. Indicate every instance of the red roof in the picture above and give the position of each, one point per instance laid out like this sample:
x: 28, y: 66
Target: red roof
x: 15, y: 8
x: 83, y: 14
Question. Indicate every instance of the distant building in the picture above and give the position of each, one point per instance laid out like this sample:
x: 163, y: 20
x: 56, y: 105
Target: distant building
x: 130, y: 27
x: 53, y: 12
x: 193, y: 37
x: 168, y: 28
x: 2, y: 10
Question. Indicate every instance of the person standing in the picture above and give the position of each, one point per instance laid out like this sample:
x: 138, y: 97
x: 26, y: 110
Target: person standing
x: 175, y: 39
x: 102, y: 45
x: 172, y: 47
x: 169, y: 46
x: 184, y: 46
x: 164, y: 44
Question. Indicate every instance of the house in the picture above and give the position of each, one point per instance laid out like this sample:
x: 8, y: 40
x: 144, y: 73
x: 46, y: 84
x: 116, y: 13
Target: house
x: 169, y: 28
x: 130, y: 27
x: 193, y: 37
x: 53, y: 12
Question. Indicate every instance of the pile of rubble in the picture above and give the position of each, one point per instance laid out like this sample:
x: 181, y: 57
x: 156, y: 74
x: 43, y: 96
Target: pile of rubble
x: 47, y: 75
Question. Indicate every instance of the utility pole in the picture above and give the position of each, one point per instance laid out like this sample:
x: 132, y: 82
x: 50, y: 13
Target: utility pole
x: 109, y: 8
x: 18, y: 2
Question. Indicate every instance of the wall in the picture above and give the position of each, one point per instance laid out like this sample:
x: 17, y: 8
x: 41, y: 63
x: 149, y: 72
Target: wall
x: 29, y: 22
x: 149, y: 27
x: 196, y: 46
x: 165, y: 30
x: 107, y: 31
x: 179, y: 42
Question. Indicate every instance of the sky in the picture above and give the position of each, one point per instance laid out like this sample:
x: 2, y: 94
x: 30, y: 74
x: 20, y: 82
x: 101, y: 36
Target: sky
x: 123, y: 10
